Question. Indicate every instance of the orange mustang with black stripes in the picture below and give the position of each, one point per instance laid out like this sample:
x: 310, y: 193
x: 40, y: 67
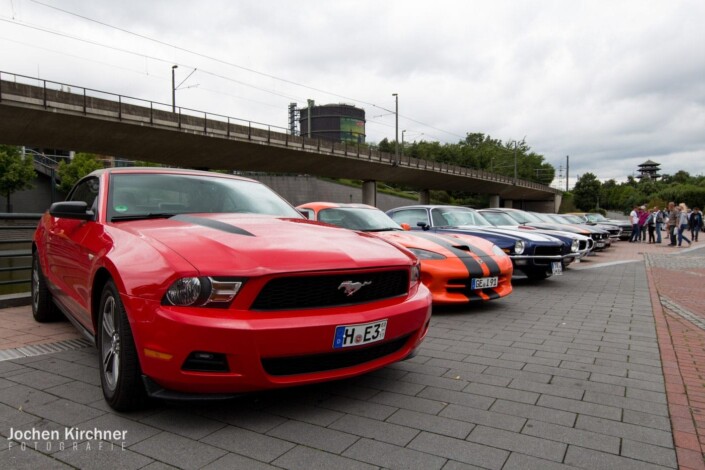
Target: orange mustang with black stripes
x: 456, y: 268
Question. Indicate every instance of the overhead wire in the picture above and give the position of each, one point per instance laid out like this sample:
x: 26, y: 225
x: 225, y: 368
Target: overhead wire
x: 224, y: 62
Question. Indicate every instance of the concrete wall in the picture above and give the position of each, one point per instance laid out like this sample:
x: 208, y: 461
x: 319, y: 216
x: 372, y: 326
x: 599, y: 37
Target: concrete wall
x: 300, y: 189
x: 35, y: 200
x: 295, y: 189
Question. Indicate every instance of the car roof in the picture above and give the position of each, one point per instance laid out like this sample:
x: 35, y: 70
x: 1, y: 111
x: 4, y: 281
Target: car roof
x: 331, y: 205
x: 161, y: 170
x: 431, y: 206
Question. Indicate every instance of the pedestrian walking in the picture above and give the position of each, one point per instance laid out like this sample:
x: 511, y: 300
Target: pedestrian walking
x: 672, y: 215
x: 658, y: 219
x: 682, y: 224
x: 696, y: 223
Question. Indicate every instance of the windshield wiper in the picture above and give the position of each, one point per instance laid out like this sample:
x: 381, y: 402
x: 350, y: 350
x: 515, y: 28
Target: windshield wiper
x: 151, y: 215
x: 386, y: 229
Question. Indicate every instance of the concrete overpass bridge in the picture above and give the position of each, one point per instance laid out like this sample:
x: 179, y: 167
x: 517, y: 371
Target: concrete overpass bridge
x: 42, y: 113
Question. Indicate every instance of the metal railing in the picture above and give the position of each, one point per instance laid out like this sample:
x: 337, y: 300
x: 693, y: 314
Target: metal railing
x: 87, y: 101
x: 16, y: 251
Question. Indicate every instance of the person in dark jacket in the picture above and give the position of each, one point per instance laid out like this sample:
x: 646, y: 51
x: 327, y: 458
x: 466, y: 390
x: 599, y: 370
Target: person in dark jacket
x: 643, y: 216
x: 696, y: 223
x: 658, y: 219
x: 651, y: 223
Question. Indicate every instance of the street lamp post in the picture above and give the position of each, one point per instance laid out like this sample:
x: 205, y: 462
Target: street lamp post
x: 396, y: 127
x: 515, y: 162
x: 173, y: 88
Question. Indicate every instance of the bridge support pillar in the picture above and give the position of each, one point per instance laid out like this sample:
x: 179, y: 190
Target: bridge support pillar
x: 494, y: 201
x: 424, y: 196
x: 369, y: 193
x: 508, y: 203
x: 557, y: 200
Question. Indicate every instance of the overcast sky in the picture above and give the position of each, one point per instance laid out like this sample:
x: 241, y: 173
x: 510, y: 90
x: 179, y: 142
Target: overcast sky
x: 611, y: 83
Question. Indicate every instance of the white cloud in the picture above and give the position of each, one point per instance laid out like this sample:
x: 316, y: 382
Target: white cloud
x: 609, y: 83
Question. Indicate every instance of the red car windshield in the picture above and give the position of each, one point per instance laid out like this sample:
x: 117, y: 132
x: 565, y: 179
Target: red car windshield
x: 144, y: 195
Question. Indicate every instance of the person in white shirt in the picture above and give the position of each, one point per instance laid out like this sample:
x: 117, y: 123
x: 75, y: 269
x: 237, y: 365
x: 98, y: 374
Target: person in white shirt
x: 634, y: 218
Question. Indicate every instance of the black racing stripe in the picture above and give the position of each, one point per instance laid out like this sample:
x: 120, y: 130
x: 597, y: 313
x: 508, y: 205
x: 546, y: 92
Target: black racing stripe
x: 450, y: 244
x: 210, y: 223
x: 472, y: 295
x: 491, y: 293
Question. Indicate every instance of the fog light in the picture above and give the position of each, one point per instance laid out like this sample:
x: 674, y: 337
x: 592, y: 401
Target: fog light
x: 203, y: 361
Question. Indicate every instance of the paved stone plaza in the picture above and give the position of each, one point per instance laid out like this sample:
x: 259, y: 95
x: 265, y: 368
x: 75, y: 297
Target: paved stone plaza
x: 562, y: 373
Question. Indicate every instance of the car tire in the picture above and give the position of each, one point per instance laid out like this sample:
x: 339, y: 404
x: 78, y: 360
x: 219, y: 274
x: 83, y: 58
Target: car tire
x: 43, y: 308
x: 120, y: 373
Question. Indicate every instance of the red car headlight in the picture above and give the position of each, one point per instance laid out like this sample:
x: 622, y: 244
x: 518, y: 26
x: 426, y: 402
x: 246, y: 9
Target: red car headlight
x: 202, y: 291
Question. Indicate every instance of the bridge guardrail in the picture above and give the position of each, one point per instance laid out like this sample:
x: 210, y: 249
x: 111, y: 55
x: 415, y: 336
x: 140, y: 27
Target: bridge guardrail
x: 51, y: 94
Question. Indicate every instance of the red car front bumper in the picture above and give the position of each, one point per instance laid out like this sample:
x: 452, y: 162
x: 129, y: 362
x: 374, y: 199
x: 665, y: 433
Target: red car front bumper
x: 251, y: 340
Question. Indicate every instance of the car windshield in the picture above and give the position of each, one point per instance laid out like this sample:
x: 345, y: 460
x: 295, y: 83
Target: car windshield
x: 356, y: 218
x: 595, y: 217
x: 524, y: 217
x: 498, y: 218
x: 573, y: 219
x: 456, y: 216
x: 554, y: 218
x: 148, y: 195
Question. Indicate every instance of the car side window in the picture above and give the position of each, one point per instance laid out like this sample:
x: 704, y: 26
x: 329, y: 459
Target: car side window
x: 439, y: 220
x: 410, y: 216
x: 308, y: 213
x: 86, y: 191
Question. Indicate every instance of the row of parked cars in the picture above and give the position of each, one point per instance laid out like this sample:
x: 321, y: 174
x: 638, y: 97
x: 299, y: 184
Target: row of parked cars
x: 204, y: 285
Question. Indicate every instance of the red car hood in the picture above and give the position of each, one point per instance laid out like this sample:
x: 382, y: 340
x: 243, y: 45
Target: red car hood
x: 234, y: 244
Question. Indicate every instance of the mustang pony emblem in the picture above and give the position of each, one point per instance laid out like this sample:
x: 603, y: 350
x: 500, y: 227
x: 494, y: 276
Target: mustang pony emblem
x: 352, y: 287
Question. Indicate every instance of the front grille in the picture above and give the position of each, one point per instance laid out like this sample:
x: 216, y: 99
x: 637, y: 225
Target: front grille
x: 548, y: 250
x: 317, y: 291
x: 330, y: 361
x: 582, y: 245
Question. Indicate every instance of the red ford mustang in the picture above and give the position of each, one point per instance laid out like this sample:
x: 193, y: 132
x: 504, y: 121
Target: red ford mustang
x: 201, y: 284
x: 457, y: 269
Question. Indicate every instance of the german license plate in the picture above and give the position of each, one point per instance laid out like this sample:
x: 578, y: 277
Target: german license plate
x: 600, y: 244
x: 484, y: 282
x: 557, y: 268
x: 356, y: 335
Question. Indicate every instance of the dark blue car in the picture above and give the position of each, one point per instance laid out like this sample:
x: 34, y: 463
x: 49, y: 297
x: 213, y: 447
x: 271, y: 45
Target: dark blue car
x: 536, y: 255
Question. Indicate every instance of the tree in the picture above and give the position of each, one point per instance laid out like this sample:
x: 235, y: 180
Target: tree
x: 681, y: 177
x: 16, y: 172
x: 586, y: 192
x: 81, y: 165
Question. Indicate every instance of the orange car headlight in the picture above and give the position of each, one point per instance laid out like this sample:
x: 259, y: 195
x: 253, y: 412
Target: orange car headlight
x: 426, y: 254
x: 415, y: 275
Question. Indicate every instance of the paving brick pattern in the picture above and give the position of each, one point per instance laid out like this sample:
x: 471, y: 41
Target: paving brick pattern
x: 563, y: 373
x: 19, y: 329
x: 679, y: 310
